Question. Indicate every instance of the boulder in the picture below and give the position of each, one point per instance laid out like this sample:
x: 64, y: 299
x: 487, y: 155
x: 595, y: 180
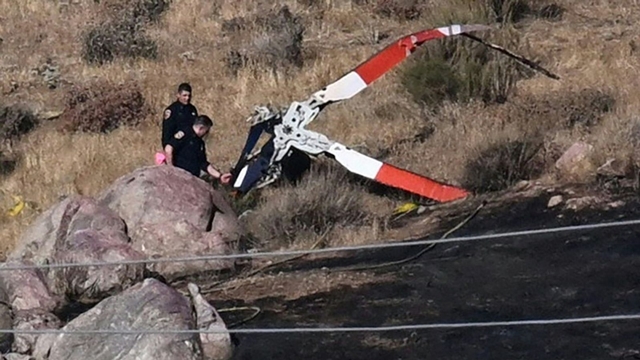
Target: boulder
x: 577, y: 204
x: 89, y: 284
x: 15, y: 356
x: 26, y: 289
x: 74, y: 213
x: 575, y: 161
x: 215, y: 345
x: 78, y: 229
x: 6, y: 322
x: 555, y: 200
x: 613, y: 168
x: 180, y: 239
x: 31, y: 302
x: 171, y: 213
x: 34, y: 319
x: 149, y: 305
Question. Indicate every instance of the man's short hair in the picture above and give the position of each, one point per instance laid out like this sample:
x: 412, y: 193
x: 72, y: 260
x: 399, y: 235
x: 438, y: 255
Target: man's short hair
x: 184, y: 87
x: 203, y: 120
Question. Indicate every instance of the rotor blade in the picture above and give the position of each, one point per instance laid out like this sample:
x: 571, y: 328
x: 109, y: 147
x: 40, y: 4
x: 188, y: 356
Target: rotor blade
x: 252, y: 139
x: 517, y: 57
x: 390, y: 175
x: 373, y: 68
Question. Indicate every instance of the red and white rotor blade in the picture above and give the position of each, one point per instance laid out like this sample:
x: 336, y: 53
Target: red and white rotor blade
x: 390, y: 175
x: 372, y: 69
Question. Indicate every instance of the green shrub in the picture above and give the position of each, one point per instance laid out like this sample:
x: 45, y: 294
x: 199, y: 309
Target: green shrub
x: 459, y: 70
x: 431, y: 81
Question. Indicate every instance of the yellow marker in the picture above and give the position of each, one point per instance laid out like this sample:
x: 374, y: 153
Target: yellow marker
x: 17, y: 208
x: 408, y: 207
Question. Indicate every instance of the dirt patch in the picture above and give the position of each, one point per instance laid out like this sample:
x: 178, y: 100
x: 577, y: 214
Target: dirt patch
x: 289, y: 286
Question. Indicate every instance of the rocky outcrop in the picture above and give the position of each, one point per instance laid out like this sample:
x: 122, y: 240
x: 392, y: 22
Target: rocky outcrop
x: 153, y: 212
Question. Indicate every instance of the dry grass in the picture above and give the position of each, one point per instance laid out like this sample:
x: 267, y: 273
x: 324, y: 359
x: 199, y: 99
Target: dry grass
x: 584, y: 46
x: 324, y: 205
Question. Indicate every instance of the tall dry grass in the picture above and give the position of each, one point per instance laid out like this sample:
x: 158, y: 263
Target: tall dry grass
x: 593, y: 46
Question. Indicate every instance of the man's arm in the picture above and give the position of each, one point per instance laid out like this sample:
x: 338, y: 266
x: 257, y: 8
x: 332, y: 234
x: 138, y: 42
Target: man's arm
x: 224, y: 178
x: 173, y: 144
x: 168, y: 152
x: 211, y: 170
x: 168, y: 126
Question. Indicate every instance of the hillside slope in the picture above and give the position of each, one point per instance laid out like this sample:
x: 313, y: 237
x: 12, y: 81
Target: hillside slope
x: 434, y: 115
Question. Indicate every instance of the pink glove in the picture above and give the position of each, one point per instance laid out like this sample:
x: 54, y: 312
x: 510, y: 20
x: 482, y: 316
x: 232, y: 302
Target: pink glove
x: 160, y: 158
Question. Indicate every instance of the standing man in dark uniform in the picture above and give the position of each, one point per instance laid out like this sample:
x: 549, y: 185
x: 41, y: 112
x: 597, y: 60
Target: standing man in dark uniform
x: 177, y: 116
x: 186, y: 150
x: 180, y: 114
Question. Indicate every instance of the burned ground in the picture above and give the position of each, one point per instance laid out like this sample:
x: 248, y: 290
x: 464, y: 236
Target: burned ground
x: 560, y: 275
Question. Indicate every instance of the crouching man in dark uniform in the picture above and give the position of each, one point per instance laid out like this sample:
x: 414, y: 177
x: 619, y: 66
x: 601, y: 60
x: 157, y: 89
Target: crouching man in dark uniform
x: 186, y: 150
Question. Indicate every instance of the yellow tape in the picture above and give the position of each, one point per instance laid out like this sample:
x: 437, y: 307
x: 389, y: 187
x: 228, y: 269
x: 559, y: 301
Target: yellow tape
x: 17, y: 208
x: 405, y: 208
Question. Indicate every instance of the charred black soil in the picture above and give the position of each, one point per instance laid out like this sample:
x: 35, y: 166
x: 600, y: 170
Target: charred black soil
x: 556, y: 275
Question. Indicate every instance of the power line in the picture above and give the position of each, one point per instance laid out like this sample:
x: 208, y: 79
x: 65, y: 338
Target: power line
x: 326, y: 250
x: 538, y: 322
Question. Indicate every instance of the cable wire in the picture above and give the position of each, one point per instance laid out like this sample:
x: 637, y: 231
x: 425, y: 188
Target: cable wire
x: 328, y: 329
x: 6, y: 267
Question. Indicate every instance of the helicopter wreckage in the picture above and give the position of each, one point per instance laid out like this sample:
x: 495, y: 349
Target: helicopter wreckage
x: 291, y: 144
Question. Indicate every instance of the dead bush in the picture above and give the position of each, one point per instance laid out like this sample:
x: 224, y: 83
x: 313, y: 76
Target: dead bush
x: 564, y: 109
x: 513, y: 11
x: 103, y: 107
x: 503, y: 164
x: 16, y: 121
x: 141, y: 10
x: 274, y: 41
x: 313, y: 4
x: 320, y: 202
x: 398, y: 9
x: 7, y: 164
x: 119, y: 38
x: 510, y: 10
x: 122, y: 33
x: 551, y: 12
